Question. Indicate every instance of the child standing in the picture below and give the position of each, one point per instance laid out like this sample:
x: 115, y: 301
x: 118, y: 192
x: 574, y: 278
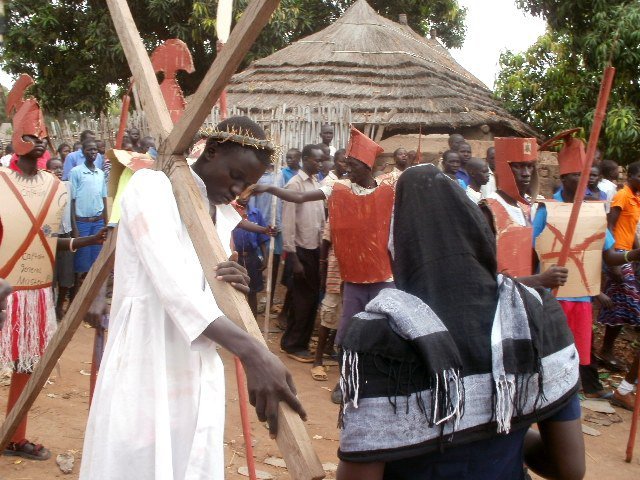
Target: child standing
x: 88, y: 205
x: 63, y: 277
x: 250, y: 245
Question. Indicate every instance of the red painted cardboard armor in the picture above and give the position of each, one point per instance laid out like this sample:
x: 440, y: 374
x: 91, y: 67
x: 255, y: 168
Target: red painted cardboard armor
x: 360, y: 232
x: 513, y: 241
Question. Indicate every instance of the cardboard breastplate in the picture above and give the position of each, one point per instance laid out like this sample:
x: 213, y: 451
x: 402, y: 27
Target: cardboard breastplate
x: 513, y: 241
x: 360, y: 233
x: 30, y: 212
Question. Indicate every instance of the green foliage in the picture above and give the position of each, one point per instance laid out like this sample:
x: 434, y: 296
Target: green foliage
x: 554, y: 84
x: 70, y: 46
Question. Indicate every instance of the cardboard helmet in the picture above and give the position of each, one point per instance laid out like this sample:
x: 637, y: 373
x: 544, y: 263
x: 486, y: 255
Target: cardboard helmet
x: 27, y: 119
x: 363, y: 148
x: 510, y: 150
x: 572, y: 155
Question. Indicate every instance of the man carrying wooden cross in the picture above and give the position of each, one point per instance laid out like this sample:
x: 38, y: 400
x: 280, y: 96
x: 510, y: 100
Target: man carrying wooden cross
x: 158, y: 407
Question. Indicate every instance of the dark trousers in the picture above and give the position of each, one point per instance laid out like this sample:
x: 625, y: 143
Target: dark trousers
x: 305, y: 294
x: 589, y: 376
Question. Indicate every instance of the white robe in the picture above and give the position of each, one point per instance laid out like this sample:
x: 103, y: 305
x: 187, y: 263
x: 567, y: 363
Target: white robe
x: 158, y: 407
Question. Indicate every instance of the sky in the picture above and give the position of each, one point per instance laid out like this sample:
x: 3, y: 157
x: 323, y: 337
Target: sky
x: 492, y: 27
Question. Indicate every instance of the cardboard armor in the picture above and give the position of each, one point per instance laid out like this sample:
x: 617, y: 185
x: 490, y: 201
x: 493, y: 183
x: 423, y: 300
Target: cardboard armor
x: 513, y: 241
x: 585, y: 255
x: 362, y: 257
x: 30, y: 212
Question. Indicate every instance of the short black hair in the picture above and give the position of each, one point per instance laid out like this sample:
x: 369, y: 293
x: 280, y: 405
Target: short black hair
x: 52, y: 159
x: 8, y: 148
x: 395, y: 152
x: 87, y: 142
x: 306, y: 151
x: 340, y: 151
x: 85, y: 133
x: 608, y: 168
x: 246, y: 126
x: 61, y: 146
x: 633, y: 168
x: 447, y: 153
x: 598, y: 167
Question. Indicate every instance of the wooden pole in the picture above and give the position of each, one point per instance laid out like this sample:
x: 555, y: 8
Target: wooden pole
x: 272, y: 243
x: 70, y: 323
x: 243, y: 401
x: 634, y: 423
x: 124, y: 116
x: 598, y: 119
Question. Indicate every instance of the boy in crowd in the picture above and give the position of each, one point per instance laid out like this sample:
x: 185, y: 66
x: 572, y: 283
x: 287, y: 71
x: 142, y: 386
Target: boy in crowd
x: 478, y: 171
x: 88, y: 206
x: 63, y: 278
x: 251, y: 246
x: 464, y: 151
x: 77, y: 157
x: 326, y: 134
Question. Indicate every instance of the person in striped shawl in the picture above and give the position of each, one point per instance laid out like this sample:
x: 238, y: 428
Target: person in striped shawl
x: 443, y: 376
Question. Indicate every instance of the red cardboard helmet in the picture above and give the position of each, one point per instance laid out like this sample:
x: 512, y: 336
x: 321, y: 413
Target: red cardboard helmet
x: 363, y: 148
x: 572, y: 155
x: 510, y: 150
x: 27, y: 119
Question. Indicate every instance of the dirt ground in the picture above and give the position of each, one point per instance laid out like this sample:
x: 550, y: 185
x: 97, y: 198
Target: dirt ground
x: 59, y: 415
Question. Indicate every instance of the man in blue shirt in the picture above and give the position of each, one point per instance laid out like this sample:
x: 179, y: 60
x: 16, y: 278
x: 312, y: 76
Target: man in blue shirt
x: 293, y: 165
x: 88, y: 205
x: 464, y: 152
x: 77, y: 157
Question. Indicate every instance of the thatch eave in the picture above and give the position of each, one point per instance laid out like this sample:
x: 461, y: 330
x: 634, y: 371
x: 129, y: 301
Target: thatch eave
x: 374, y: 65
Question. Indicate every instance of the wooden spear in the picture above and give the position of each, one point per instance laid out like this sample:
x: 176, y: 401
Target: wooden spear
x: 598, y: 119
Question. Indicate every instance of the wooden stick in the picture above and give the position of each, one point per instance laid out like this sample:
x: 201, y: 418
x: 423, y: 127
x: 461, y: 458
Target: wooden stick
x: 293, y: 440
x: 272, y: 243
x: 70, y: 323
x: 634, y: 423
x: 598, y: 119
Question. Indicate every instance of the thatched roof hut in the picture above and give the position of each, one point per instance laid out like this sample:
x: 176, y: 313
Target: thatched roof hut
x: 386, y: 73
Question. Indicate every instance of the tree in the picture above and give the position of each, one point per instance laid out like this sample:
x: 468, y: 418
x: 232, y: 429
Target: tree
x: 70, y: 46
x: 555, y: 83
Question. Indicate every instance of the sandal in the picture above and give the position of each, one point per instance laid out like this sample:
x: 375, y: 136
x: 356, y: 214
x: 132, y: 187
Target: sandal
x: 318, y: 373
x: 26, y: 449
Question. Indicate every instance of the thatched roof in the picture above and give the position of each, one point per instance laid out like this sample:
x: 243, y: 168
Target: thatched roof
x: 373, y: 64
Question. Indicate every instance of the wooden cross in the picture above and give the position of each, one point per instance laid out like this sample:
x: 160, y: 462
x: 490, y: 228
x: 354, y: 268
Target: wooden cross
x: 293, y: 440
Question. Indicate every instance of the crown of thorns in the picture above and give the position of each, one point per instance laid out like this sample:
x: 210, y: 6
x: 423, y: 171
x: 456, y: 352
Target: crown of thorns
x: 239, y: 136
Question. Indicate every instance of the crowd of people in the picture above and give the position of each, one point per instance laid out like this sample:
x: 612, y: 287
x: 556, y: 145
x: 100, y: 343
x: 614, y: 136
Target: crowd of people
x: 429, y: 285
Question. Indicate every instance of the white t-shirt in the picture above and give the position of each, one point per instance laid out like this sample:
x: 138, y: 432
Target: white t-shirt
x: 516, y: 213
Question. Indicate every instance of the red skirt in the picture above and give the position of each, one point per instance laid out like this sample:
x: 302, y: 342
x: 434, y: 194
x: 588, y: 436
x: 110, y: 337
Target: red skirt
x: 580, y: 320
